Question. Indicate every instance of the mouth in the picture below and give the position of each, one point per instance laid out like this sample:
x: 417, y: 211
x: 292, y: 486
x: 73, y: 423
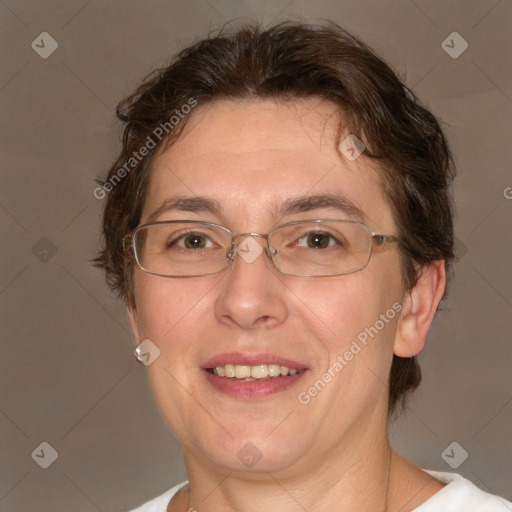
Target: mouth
x: 249, y: 377
x: 262, y: 371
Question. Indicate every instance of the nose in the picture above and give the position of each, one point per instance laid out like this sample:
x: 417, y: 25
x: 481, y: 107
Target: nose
x: 252, y: 294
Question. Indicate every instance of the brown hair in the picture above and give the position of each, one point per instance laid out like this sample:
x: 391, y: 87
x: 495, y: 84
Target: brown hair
x: 293, y: 61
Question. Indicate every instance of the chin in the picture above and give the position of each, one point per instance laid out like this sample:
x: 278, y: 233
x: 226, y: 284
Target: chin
x: 251, y: 454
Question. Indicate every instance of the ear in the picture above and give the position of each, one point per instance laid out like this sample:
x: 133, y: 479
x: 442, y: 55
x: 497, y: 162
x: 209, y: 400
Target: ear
x: 133, y: 318
x: 419, y: 308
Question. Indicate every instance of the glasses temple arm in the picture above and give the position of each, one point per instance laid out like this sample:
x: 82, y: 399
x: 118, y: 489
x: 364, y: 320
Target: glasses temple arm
x: 127, y: 242
x: 384, y: 239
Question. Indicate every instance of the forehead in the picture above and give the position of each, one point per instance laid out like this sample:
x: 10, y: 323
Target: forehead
x: 250, y: 156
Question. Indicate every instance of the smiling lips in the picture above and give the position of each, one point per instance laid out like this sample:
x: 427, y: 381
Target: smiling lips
x: 247, y: 377
x: 249, y: 373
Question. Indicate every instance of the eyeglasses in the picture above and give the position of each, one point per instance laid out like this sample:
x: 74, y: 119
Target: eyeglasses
x: 313, y: 248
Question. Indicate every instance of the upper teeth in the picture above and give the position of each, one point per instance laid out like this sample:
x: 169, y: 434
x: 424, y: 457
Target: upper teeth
x: 259, y: 371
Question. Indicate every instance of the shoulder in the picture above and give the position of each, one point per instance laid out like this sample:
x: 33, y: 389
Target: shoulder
x: 460, y: 495
x: 159, y: 504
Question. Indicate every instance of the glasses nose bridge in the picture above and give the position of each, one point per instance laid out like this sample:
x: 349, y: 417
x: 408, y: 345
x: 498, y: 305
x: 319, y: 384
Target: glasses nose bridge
x: 234, y: 246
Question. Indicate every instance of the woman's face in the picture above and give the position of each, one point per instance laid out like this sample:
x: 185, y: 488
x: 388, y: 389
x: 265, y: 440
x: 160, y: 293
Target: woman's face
x: 250, y: 158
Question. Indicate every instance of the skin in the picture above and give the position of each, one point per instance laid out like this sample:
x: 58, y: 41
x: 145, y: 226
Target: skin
x: 250, y: 156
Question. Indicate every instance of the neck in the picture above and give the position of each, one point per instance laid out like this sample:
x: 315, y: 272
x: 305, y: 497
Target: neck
x: 355, y: 479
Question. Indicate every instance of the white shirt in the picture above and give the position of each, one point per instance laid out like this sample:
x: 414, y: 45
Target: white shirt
x: 459, y: 495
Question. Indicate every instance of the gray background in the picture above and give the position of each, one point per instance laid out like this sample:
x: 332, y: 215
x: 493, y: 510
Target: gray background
x: 68, y: 376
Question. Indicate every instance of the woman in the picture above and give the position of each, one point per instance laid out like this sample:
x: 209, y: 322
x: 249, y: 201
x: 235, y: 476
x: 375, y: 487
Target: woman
x: 279, y: 225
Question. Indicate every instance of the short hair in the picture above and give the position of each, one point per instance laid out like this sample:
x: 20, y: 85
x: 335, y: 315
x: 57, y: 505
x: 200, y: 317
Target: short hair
x: 293, y: 61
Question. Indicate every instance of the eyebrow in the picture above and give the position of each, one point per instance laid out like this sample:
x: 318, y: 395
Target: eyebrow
x: 290, y: 206
x: 187, y: 204
x: 309, y: 203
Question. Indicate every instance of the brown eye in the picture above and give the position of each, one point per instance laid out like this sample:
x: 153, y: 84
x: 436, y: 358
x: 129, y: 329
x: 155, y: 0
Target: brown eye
x: 190, y: 241
x: 194, y: 242
x: 318, y: 240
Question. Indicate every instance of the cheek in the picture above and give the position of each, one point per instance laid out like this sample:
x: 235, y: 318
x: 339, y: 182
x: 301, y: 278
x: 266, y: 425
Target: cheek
x: 358, y: 318
x: 355, y: 319
x: 345, y: 306
x: 173, y: 313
